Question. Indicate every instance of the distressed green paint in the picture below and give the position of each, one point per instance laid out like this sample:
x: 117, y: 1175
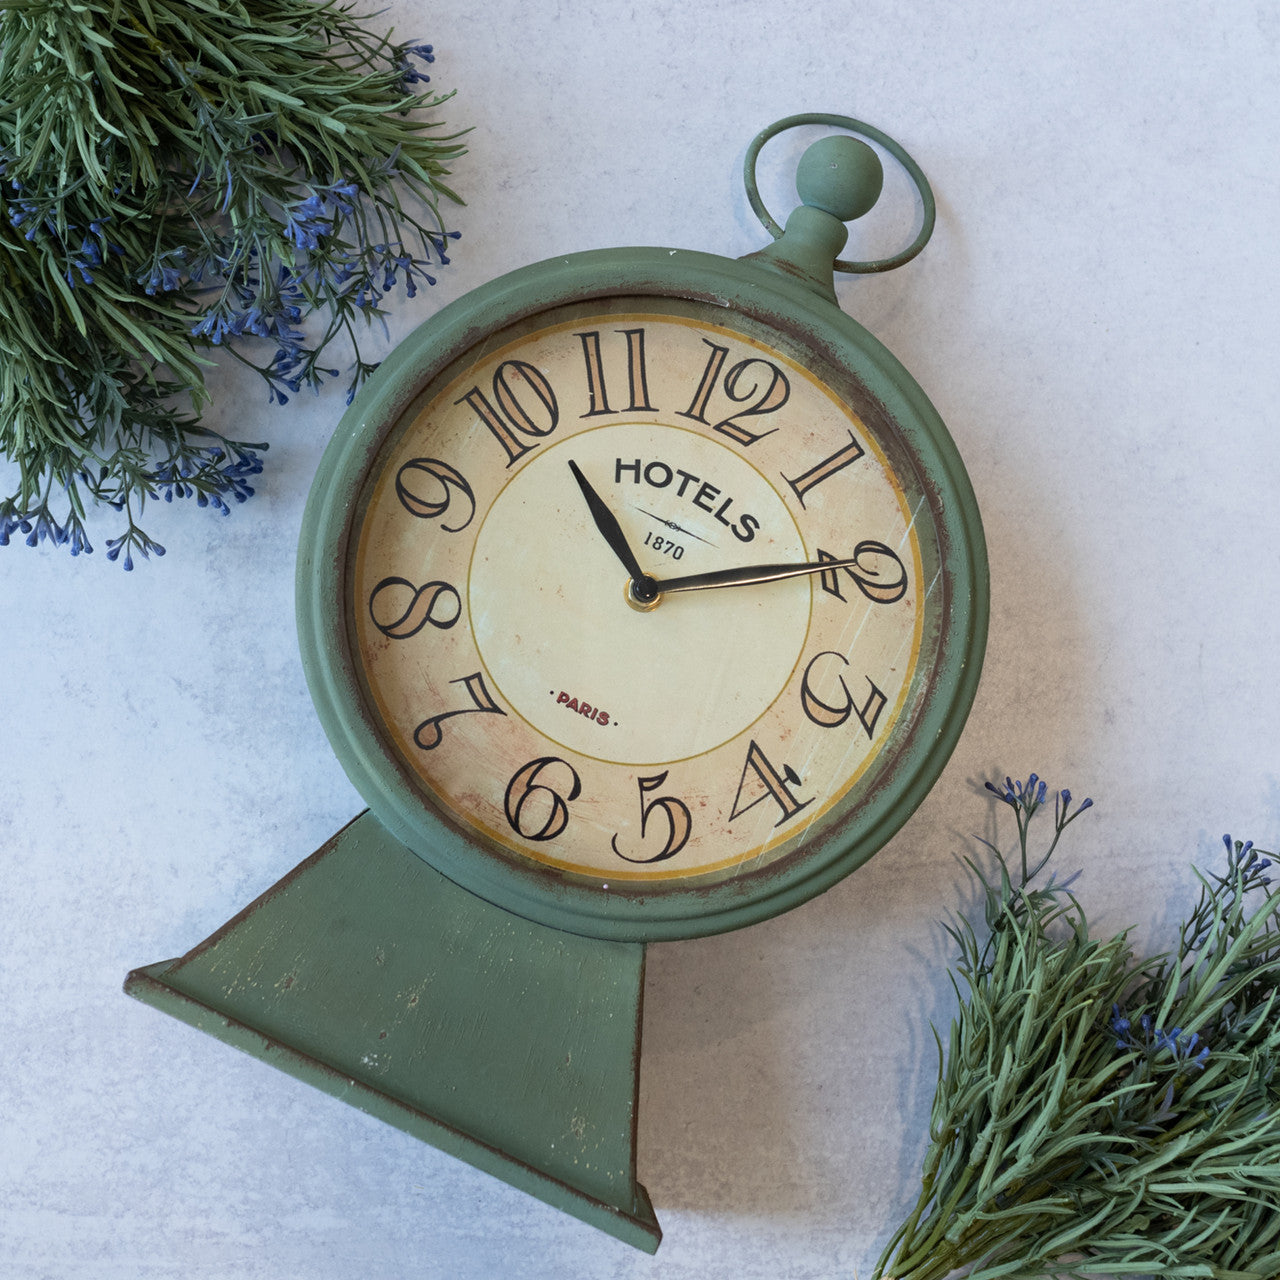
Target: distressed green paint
x: 508, y: 1044
x: 842, y: 176
x: 492, y: 1008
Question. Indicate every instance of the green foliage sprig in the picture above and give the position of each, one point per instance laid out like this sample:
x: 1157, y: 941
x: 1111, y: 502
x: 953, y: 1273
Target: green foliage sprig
x: 178, y: 176
x: 1098, y: 1112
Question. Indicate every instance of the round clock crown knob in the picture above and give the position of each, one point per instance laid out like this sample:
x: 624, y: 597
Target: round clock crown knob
x: 839, y: 178
x: 841, y: 175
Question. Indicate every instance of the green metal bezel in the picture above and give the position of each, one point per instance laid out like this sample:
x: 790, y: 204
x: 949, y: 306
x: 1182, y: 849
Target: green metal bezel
x: 568, y: 901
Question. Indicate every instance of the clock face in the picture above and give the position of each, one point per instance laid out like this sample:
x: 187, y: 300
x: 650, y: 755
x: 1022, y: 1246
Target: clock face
x: 612, y: 764
x: 535, y: 701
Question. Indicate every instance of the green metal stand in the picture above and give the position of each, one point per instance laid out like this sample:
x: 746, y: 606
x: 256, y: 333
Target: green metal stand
x: 508, y: 1044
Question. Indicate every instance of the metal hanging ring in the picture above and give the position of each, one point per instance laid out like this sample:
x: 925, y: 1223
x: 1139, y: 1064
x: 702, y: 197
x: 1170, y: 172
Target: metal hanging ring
x: 866, y: 131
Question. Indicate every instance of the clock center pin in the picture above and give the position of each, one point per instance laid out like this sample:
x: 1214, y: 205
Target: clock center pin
x: 642, y: 595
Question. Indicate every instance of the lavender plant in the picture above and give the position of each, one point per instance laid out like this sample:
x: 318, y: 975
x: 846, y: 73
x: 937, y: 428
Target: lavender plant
x: 179, y: 178
x: 1100, y: 1112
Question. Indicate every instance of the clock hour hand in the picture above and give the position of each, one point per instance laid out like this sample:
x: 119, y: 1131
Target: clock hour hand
x: 746, y: 576
x: 611, y: 530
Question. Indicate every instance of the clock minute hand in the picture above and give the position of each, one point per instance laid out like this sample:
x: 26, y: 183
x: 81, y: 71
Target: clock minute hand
x: 746, y: 576
x: 611, y: 530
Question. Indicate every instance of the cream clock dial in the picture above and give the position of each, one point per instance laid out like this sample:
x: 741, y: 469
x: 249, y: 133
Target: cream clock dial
x: 530, y: 693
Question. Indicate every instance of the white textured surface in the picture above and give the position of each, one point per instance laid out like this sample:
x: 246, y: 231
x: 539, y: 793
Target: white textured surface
x: 1096, y: 320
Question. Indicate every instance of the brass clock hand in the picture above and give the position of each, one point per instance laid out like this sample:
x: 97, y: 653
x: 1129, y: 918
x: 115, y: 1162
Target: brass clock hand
x: 607, y: 523
x: 745, y: 576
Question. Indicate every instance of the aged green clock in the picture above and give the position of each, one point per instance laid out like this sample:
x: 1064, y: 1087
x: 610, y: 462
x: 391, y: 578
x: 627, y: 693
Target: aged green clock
x: 642, y: 595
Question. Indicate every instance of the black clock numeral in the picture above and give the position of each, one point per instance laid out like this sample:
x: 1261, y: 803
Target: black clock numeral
x: 698, y: 409
x: 428, y: 735
x: 637, y: 378
x: 777, y: 786
x: 826, y: 468
x: 755, y: 379
x: 877, y: 570
x: 401, y: 609
x: 419, y: 474
x: 676, y: 812
x: 538, y: 415
x: 535, y: 809
x: 831, y: 716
